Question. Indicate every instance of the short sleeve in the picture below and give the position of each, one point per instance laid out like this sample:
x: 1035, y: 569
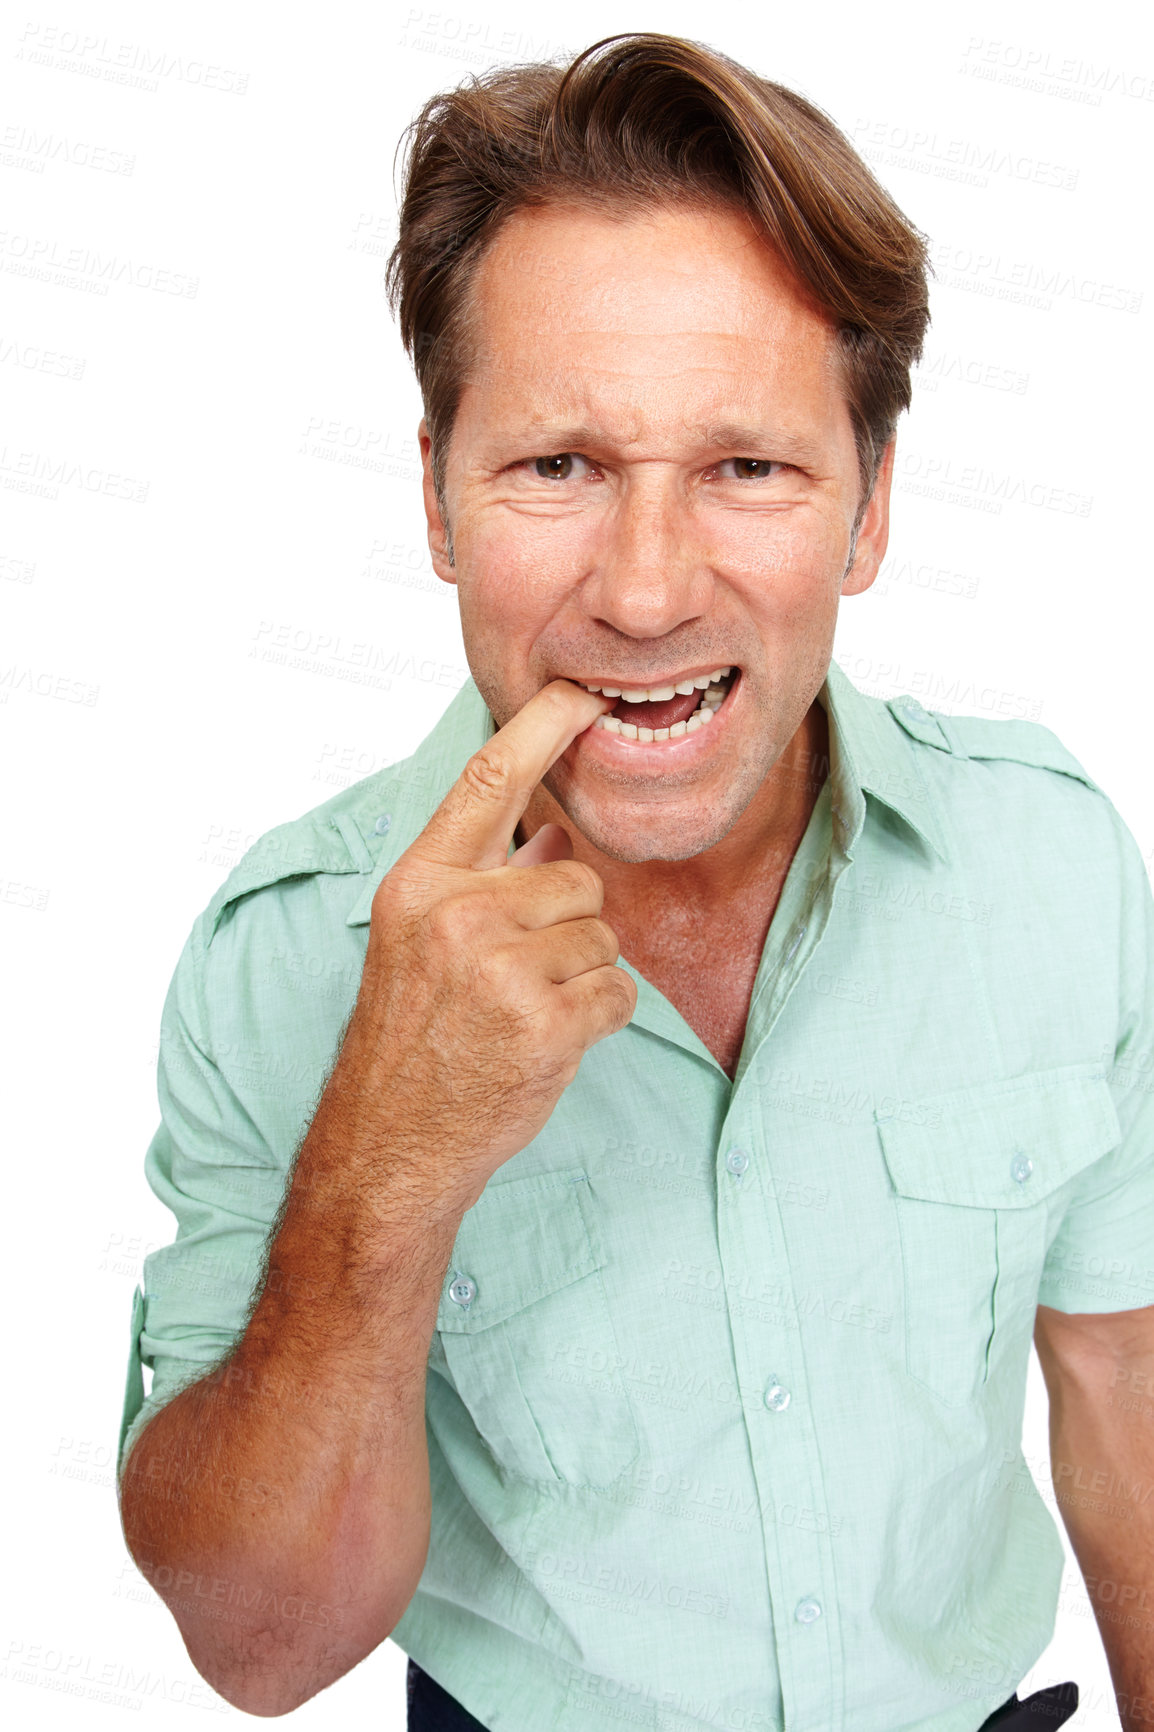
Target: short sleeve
x: 211, y: 1165
x: 1102, y: 1258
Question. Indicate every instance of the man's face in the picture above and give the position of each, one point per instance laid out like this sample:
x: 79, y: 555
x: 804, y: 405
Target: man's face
x: 652, y: 474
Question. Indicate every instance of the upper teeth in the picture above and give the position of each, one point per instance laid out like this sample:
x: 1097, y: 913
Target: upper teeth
x: 658, y: 694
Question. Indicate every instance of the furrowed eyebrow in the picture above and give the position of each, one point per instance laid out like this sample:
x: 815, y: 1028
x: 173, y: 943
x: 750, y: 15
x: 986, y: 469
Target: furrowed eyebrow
x: 747, y: 441
x: 550, y: 437
x: 736, y: 438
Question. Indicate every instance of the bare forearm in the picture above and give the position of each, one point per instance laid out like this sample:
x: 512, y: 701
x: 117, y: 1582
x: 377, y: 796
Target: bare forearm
x: 280, y: 1506
x: 1102, y: 1459
x: 485, y: 981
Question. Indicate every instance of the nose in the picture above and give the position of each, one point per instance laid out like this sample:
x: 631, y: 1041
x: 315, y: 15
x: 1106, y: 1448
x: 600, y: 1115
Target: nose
x: 650, y: 572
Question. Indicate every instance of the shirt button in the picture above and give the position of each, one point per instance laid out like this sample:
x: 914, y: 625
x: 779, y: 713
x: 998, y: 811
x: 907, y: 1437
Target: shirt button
x: 381, y: 827
x: 913, y: 708
x: 737, y: 1160
x: 462, y: 1291
x: 807, y: 1610
x: 776, y: 1397
x: 1021, y: 1166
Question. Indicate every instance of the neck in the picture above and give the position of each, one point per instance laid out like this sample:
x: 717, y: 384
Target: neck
x: 757, y: 850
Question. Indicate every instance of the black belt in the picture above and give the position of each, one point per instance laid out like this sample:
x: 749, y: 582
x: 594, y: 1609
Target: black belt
x: 432, y: 1709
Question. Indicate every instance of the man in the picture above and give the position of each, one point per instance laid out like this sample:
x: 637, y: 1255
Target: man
x: 622, y: 1153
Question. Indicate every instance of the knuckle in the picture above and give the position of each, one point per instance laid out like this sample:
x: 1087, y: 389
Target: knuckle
x: 390, y: 890
x: 581, y: 879
x: 385, y: 900
x: 593, y: 943
x: 405, y: 887
x: 500, y: 966
x: 608, y: 942
x: 454, y: 919
x: 611, y: 1002
x: 396, y: 904
x: 499, y: 980
x: 622, y: 993
x: 488, y: 775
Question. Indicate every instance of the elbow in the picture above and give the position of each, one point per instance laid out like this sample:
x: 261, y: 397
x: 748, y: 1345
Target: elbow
x: 266, y: 1699
x: 262, y: 1689
x: 268, y: 1679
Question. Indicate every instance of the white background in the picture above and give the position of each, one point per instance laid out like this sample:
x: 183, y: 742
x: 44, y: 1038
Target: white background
x: 262, y: 424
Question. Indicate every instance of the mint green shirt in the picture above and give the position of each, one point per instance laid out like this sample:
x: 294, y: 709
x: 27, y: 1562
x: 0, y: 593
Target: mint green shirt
x: 726, y: 1388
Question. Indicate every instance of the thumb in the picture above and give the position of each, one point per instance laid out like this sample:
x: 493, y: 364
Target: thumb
x: 551, y: 842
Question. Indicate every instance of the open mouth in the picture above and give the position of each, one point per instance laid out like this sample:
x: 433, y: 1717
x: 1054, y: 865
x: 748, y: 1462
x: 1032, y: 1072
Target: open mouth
x: 668, y: 712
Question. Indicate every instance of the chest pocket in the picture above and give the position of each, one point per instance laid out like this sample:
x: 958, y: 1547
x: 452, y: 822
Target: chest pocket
x: 527, y: 1338
x: 977, y: 1181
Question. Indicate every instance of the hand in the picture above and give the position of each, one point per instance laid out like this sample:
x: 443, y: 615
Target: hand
x: 486, y: 978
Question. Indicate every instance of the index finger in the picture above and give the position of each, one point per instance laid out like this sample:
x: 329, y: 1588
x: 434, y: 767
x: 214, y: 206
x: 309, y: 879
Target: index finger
x: 474, y: 824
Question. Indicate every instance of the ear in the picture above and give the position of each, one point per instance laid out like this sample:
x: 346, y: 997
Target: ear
x: 874, y: 533
x: 438, y: 547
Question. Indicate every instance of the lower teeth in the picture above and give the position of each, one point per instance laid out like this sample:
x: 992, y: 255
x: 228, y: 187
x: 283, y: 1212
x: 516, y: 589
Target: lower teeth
x: 711, y: 702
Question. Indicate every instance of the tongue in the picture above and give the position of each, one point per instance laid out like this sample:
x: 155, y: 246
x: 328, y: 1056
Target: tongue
x: 660, y: 714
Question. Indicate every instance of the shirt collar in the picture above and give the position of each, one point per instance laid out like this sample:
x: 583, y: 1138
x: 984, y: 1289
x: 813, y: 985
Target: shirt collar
x: 870, y: 753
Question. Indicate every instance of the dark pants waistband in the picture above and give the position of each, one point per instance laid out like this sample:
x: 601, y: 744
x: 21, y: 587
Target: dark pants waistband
x: 432, y: 1709
x: 1050, y: 1707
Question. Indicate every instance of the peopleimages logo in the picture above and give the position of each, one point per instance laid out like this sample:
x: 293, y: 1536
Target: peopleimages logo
x: 50, y: 260
x: 128, y: 63
x: 455, y: 37
x: 1025, y: 282
x: 1063, y: 75
x: 39, y: 473
x: 962, y: 159
x: 111, y: 1682
x: 984, y: 489
x: 28, y: 148
x: 937, y: 365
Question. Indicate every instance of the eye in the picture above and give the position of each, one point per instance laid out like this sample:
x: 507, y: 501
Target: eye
x: 744, y: 463
x: 558, y: 468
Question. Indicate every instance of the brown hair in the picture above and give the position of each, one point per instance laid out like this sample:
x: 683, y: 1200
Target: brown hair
x: 641, y: 119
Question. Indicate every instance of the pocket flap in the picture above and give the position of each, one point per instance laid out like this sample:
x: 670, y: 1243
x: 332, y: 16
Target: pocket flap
x: 521, y: 1239
x: 1002, y: 1145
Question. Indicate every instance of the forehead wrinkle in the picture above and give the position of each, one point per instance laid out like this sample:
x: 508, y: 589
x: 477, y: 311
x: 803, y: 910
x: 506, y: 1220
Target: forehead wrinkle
x: 589, y: 420
x: 490, y: 366
x: 739, y: 438
x: 585, y: 386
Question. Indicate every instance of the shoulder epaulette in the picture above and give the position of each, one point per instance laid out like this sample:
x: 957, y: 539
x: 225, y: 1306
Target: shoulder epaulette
x: 290, y: 850
x: 1013, y: 737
